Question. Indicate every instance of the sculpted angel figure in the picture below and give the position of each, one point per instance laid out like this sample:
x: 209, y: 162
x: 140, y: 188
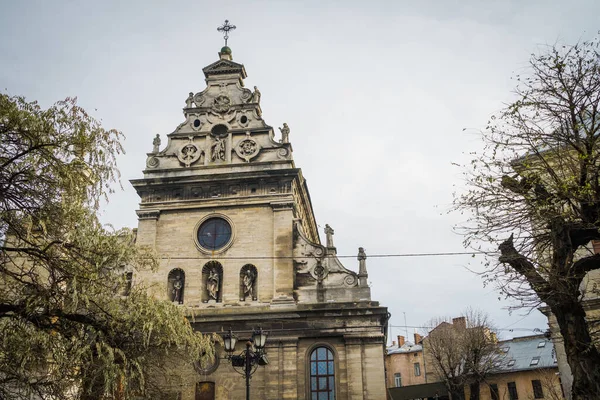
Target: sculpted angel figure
x: 190, y: 100
x: 218, y: 150
x: 256, y: 95
x: 177, y: 286
x: 156, y: 143
x: 329, y: 235
x: 285, y: 133
x: 248, y: 281
x: 212, y: 284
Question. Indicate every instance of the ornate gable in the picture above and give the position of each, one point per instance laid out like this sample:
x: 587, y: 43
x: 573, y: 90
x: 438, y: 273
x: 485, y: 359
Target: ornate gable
x: 224, y: 67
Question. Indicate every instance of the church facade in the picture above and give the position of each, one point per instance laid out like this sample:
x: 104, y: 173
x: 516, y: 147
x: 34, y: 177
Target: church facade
x: 230, y: 215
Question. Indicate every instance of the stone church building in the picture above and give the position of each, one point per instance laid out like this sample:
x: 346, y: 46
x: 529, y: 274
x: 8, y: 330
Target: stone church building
x: 228, y: 211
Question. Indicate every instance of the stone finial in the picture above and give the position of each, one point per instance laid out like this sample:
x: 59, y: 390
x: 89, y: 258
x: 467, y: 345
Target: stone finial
x: 190, y: 100
x: 328, y: 234
x: 285, y: 133
x: 156, y: 144
x: 362, y: 267
x: 256, y: 96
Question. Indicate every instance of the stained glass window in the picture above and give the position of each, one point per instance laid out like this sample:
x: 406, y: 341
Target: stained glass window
x: 322, y: 374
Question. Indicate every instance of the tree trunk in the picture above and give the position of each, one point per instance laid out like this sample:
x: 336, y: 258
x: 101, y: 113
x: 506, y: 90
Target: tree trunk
x: 583, y: 357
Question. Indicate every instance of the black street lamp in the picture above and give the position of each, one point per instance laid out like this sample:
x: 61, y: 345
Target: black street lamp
x: 247, y: 362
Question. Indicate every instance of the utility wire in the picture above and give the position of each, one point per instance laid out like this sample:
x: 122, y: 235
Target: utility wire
x: 459, y: 253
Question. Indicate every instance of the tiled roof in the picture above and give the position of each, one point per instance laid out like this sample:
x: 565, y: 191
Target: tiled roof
x: 407, y: 347
x: 525, y: 353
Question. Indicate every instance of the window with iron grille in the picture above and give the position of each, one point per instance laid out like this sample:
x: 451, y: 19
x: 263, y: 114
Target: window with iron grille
x: 512, y: 391
x: 538, y: 392
x: 322, y: 374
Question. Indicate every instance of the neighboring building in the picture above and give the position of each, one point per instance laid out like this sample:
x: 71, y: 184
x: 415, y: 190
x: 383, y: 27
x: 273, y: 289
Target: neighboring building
x: 525, y: 368
x: 528, y: 370
x: 404, y: 363
x: 230, y: 214
x: 590, y: 290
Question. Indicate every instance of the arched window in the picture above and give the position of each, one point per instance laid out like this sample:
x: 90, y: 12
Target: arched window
x: 212, y: 282
x: 248, y: 283
x: 176, y: 285
x: 322, y: 374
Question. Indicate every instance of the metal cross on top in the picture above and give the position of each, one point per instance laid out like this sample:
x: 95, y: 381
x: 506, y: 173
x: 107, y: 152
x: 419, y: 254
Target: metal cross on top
x: 226, y: 28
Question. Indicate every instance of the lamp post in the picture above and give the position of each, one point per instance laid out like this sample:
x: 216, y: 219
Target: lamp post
x: 247, y: 362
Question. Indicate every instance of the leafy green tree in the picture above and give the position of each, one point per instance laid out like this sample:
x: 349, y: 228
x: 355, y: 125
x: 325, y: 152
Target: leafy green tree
x: 535, y: 193
x: 71, y: 323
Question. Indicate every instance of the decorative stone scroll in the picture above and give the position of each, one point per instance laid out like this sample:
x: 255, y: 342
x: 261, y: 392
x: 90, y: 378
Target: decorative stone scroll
x: 189, y: 154
x: 198, y: 99
x: 247, y: 148
x: 246, y: 95
x: 152, y: 162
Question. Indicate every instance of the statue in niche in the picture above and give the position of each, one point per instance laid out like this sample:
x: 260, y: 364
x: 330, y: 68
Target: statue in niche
x: 256, y: 96
x: 248, y: 280
x: 156, y: 144
x: 212, y: 284
x: 285, y: 133
x: 190, y: 100
x: 218, y: 150
x: 177, y: 286
x: 329, y: 235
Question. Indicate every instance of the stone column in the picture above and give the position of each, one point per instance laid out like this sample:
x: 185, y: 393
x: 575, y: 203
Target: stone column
x: 374, y: 374
x: 290, y: 364
x: 146, y: 233
x: 283, y: 266
x: 354, y: 367
x: 273, y: 371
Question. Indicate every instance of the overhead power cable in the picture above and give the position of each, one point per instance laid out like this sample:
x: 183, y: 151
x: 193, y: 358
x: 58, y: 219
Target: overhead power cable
x: 459, y: 253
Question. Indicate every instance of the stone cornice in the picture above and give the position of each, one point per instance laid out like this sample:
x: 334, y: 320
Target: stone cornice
x: 148, y: 214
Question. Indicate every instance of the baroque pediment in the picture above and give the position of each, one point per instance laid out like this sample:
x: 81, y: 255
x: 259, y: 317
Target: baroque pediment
x: 224, y: 67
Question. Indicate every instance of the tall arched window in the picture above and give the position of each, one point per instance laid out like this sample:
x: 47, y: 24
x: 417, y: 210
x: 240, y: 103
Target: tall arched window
x: 322, y: 374
x: 176, y: 285
x: 248, y: 283
x: 212, y: 282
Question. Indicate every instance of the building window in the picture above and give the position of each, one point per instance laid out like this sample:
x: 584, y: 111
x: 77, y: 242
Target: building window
x: 511, y: 363
x: 512, y: 391
x: 417, y: 369
x: 397, y: 380
x: 322, y: 374
x: 535, y: 361
x: 542, y: 344
x: 494, y: 394
x: 538, y: 392
x: 474, y: 389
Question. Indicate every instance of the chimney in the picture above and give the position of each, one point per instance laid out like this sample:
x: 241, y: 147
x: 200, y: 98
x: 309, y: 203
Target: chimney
x: 418, y: 338
x: 459, y: 322
x: 393, y: 343
x: 400, y: 341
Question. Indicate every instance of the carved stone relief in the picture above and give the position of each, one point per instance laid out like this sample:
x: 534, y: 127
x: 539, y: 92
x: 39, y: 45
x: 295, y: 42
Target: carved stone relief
x: 152, y: 162
x: 198, y: 99
x: 189, y: 154
x: 222, y: 103
x: 218, y: 150
x: 246, y: 95
x: 247, y: 148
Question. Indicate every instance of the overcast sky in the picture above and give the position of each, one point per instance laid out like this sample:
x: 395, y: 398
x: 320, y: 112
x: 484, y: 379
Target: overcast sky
x: 376, y: 94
